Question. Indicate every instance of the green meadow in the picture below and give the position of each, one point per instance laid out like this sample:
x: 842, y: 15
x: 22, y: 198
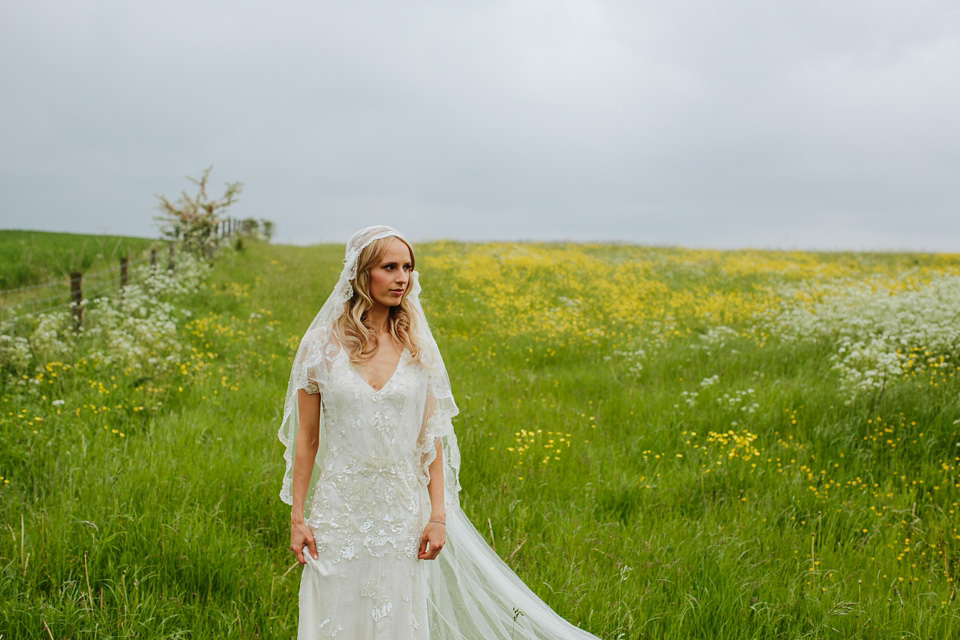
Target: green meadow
x: 661, y: 442
x: 34, y: 257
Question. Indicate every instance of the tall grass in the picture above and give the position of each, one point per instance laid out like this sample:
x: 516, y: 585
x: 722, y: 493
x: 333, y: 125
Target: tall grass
x: 771, y: 504
x: 34, y: 257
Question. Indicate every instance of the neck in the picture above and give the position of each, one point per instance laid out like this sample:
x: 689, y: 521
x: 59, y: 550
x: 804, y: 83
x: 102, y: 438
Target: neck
x: 377, y: 317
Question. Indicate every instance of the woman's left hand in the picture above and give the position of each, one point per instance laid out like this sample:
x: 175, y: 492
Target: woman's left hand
x: 433, y: 538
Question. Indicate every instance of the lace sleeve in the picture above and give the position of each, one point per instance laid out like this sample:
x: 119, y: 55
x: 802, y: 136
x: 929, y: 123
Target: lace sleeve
x: 310, y: 368
x: 437, y: 428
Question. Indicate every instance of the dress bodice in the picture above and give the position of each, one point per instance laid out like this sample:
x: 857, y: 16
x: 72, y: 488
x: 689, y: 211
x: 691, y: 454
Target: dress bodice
x: 370, y: 495
x: 367, y: 427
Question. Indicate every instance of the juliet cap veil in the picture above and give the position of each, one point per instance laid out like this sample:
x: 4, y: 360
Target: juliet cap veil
x: 315, y: 346
x: 473, y: 594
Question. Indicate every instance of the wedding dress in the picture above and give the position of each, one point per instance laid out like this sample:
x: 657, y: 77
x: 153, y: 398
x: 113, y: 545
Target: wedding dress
x: 368, y: 502
x: 367, y: 513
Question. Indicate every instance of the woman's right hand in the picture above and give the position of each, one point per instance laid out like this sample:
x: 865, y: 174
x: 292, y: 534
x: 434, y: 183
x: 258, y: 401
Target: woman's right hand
x: 300, y: 537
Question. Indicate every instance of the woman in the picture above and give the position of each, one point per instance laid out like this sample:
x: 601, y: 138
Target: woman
x: 372, y: 473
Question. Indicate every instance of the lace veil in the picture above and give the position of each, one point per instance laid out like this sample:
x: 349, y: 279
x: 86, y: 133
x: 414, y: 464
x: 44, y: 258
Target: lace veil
x: 472, y: 593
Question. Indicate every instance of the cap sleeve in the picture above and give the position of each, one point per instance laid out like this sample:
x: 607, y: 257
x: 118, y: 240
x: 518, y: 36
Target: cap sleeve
x: 311, y: 365
x: 437, y: 428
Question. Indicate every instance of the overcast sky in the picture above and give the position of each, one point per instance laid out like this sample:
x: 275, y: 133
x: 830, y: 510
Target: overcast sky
x: 810, y: 124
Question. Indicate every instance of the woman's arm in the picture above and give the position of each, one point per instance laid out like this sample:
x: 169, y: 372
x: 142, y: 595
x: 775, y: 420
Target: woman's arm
x: 435, y: 532
x: 435, y: 487
x: 308, y: 441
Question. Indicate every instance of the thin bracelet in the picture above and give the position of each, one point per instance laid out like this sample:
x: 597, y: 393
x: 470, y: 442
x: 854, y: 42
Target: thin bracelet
x: 439, y: 522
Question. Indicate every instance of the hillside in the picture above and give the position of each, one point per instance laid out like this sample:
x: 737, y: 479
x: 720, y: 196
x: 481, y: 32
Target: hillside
x: 33, y: 257
x: 662, y: 443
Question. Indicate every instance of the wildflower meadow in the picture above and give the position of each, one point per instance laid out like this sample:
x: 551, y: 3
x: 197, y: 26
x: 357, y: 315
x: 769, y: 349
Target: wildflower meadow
x: 661, y: 442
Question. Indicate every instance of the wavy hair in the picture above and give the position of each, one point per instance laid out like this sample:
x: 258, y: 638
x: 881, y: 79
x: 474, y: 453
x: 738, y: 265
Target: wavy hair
x: 357, y: 337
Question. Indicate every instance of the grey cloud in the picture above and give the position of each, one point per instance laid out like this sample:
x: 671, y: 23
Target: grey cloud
x: 711, y: 124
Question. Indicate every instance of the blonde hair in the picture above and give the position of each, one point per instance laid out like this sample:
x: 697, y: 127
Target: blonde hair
x: 357, y: 337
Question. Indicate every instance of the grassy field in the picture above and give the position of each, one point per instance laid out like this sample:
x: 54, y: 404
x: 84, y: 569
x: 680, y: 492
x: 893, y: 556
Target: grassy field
x: 35, y: 267
x: 33, y: 257
x: 663, y: 443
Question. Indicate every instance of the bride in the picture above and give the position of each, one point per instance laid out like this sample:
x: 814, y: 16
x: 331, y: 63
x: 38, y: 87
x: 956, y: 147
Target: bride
x: 372, y: 469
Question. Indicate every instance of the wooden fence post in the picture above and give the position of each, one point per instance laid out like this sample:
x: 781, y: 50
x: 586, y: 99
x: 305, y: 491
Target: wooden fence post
x: 170, y: 259
x: 124, y: 272
x: 76, y: 299
x: 153, y: 259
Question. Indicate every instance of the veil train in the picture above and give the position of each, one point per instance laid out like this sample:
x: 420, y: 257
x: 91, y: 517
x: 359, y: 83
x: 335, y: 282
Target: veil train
x: 474, y: 595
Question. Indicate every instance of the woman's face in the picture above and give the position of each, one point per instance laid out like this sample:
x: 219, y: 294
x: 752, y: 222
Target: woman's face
x: 390, y: 278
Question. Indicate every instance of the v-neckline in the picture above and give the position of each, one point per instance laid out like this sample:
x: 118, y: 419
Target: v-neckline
x: 363, y: 378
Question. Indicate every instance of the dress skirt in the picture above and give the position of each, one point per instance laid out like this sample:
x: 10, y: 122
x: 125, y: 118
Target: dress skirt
x: 363, y: 598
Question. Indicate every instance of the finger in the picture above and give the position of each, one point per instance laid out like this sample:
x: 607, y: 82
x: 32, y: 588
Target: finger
x: 435, y: 546
x: 312, y: 546
x: 299, y: 554
x: 426, y: 547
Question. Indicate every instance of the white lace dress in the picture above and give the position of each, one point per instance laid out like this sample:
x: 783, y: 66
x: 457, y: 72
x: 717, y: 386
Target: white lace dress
x: 370, y: 504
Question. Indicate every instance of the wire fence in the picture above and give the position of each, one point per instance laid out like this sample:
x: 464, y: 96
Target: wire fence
x: 78, y: 288
x: 29, y: 288
x: 108, y: 273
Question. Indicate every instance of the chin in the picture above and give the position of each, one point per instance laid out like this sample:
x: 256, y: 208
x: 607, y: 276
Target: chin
x: 390, y: 302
